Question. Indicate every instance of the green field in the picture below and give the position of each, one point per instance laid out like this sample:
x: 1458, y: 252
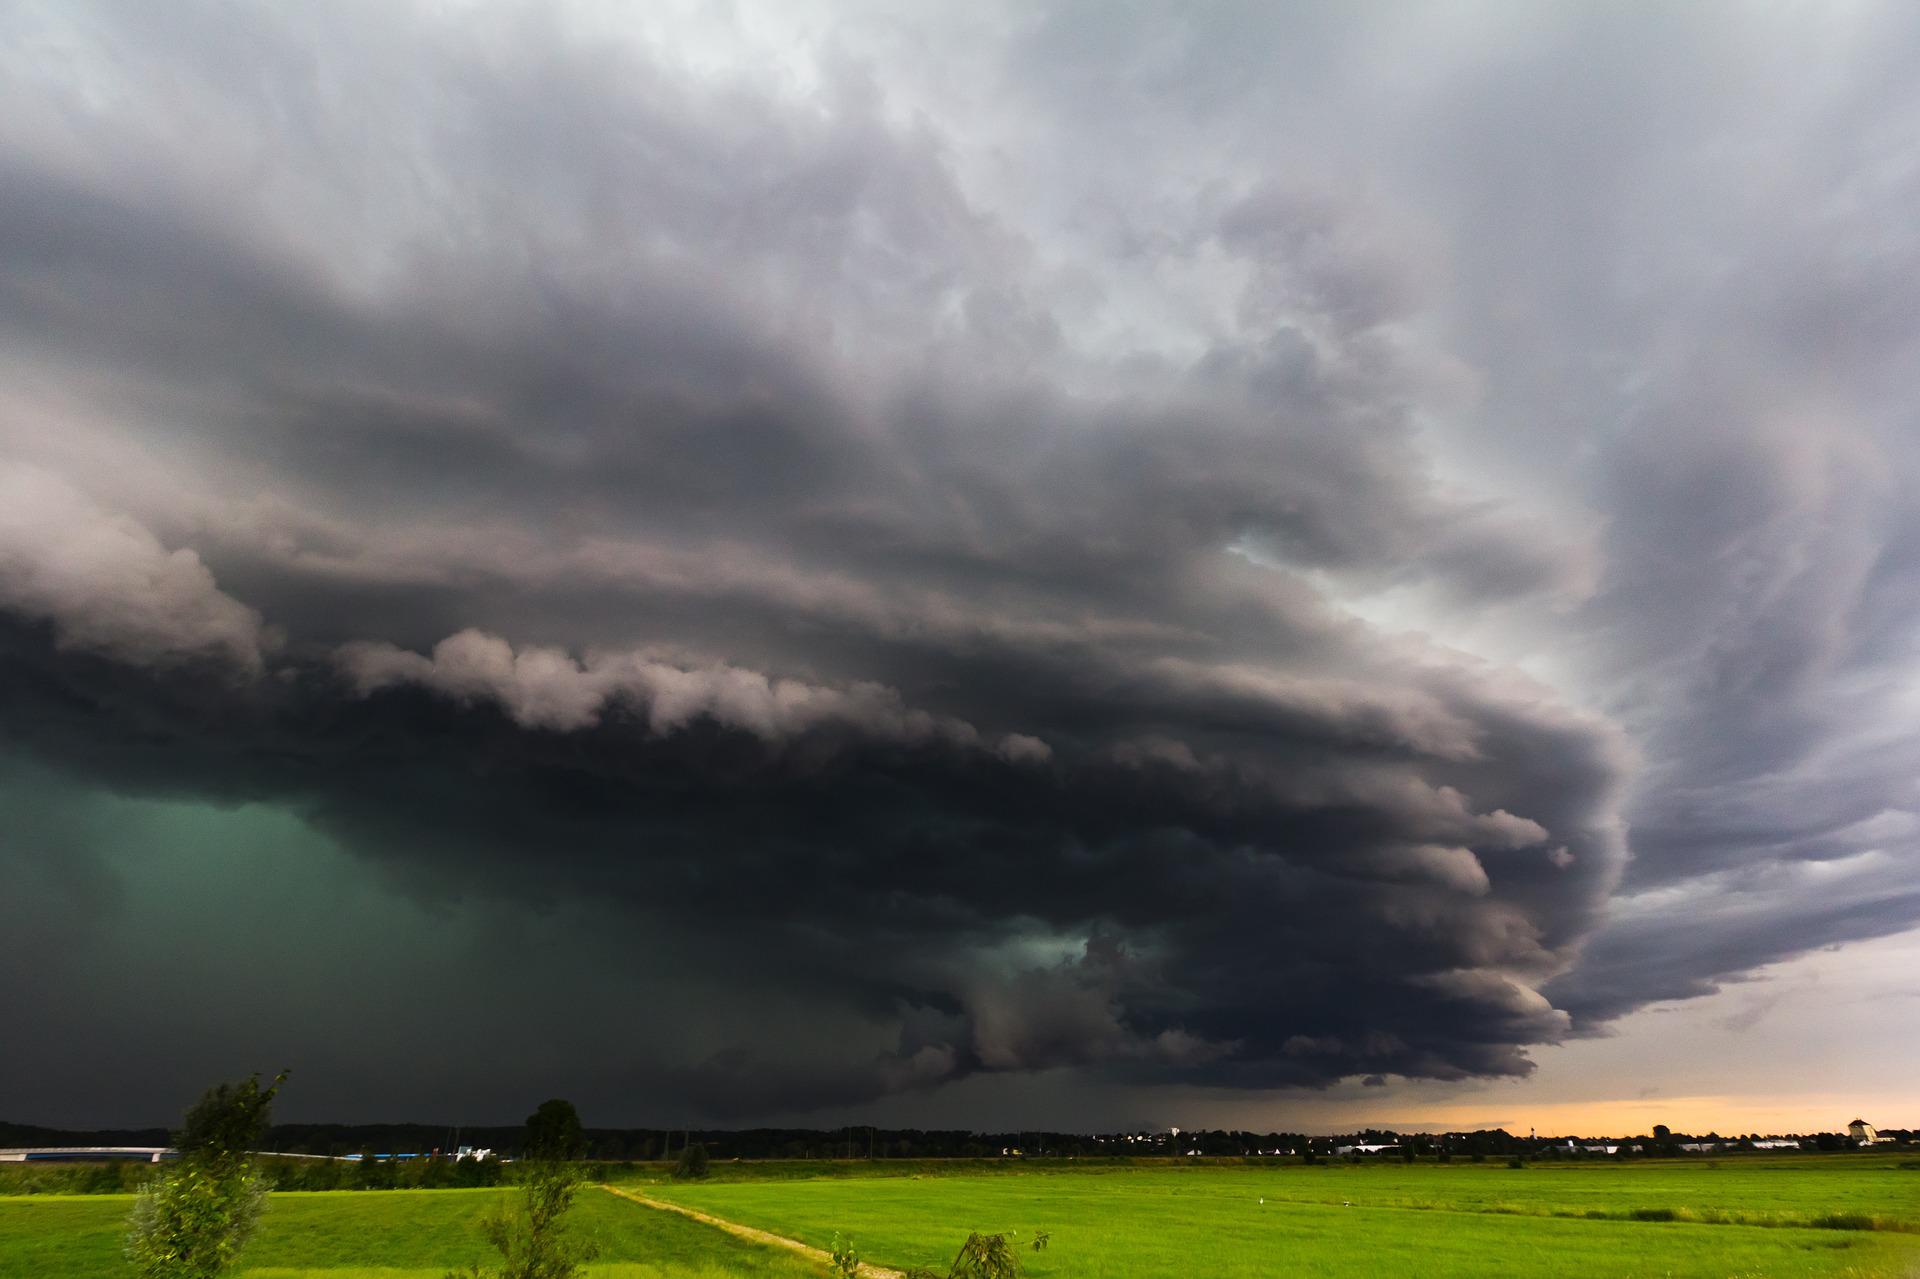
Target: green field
x: 1736, y: 1217
x: 1377, y: 1219
x: 399, y: 1234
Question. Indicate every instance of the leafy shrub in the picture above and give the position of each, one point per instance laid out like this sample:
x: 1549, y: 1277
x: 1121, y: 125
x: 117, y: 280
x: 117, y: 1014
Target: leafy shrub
x: 985, y: 1257
x: 845, y: 1261
x: 532, y: 1242
x: 472, y: 1173
x: 374, y: 1173
x: 105, y: 1178
x: 693, y: 1163
x: 191, y: 1221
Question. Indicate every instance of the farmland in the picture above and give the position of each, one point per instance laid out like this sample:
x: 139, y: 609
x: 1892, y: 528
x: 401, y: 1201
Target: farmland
x: 1742, y: 1217
x: 402, y: 1234
x: 1849, y: 1216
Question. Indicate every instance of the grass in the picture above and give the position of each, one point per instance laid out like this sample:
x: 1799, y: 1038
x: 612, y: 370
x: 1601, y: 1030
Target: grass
x: 617, y: 1270
x: 1751, y: 1217
x: 1782, y: 1218
x: 400, y: 1234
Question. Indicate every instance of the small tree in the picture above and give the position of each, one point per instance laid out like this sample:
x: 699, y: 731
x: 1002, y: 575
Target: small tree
x: 693, y: 1163
x: 191, y: 1221
x: 846, y: 1262
x: 985, y: 1257
x: 532, y: 1240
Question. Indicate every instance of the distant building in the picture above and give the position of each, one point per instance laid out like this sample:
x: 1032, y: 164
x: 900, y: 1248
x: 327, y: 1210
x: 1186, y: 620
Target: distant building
x: 1862, y: 1132
x: 1776, y: 1143
x: 83, y: 1154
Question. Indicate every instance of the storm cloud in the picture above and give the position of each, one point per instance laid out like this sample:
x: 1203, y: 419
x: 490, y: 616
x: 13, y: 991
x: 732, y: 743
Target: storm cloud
x: 1249, y: 550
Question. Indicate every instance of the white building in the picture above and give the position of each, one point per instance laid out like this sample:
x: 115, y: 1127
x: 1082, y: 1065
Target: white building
x: 1862, y: 1132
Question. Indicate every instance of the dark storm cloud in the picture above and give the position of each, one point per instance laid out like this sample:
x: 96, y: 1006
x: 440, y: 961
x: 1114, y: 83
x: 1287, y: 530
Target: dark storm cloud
x: 561, y: 472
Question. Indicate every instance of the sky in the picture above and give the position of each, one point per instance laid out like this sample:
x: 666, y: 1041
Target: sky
x: 1075, y: 565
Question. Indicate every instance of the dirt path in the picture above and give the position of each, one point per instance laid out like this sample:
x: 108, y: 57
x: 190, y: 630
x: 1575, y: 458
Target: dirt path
x: 868, y: 1271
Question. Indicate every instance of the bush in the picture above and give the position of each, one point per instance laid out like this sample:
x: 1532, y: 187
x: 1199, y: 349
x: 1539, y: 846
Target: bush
x: 1651, y: 1214
x: 471, y: 1173
x: 1516, y: 1162
x: 104, y: 1179
x: 374, y: 1173
x: 845, y: 1261
x: 191, y: 1221
x: 985, y: 1257
x: 693, y: 1163
x: 532, y: 1242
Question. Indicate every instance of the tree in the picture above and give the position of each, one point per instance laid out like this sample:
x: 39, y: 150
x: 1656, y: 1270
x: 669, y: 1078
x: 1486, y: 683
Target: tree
x: 532, y: 1239
x: 554, y: 1132
x: 195, y: 1217
x: 693, y: 1163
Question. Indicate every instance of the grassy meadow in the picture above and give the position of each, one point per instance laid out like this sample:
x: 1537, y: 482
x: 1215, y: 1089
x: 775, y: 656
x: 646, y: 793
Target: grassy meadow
x: 1842, y: 1216
x: 1736, y: 1217
x: 368, y: 1234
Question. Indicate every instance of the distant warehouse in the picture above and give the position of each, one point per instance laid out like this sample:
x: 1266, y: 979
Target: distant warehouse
x: 82, y: 1154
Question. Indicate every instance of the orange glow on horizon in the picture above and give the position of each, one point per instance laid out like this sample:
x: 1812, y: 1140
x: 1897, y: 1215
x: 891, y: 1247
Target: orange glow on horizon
x: 1728, y: 1116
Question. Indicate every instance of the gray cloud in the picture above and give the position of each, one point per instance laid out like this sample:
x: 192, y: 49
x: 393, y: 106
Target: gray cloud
x: 1066, y: 577
x: 108, y: 586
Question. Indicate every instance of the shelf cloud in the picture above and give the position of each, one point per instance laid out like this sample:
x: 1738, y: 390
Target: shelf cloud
x: 1249, y: 550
